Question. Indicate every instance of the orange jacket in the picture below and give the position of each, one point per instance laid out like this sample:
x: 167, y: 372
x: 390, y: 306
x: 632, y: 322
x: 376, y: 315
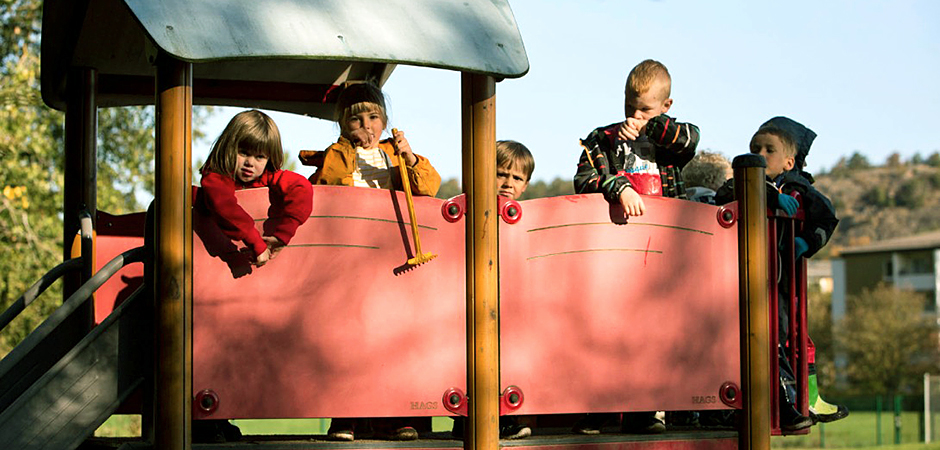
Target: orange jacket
x: 337, y: 163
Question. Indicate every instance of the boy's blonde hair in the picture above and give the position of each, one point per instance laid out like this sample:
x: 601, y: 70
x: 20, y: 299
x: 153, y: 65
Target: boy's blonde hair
x: 643, y: 76
x: 510, y: 154
x: 706, y: 169
x: 356, y: 99
x: 251, y: 132
x: 789, y: 145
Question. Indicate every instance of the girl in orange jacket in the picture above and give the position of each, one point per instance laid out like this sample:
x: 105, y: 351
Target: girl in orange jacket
x: 359, y: 157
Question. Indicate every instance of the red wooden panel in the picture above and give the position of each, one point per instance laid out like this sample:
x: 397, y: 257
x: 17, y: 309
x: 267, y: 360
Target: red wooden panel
x: 115, y: 235
x: 599, y: 316
x: 330, y: 328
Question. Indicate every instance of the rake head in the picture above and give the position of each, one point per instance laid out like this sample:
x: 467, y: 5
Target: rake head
x: 421, y: 259
x: 409, y: 265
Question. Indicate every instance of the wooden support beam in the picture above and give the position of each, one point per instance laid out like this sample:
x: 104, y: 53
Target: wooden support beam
x: 751, y: 194
x: 173, y: 256
x: 479, y: 183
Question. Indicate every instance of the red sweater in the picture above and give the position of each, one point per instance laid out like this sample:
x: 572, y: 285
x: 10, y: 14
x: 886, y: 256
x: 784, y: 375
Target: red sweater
x: 291, y: 198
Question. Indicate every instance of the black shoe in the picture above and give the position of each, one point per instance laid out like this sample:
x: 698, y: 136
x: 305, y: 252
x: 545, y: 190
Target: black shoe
x: 792, y: 420
x: 510, y: 428
x: 642, y: 423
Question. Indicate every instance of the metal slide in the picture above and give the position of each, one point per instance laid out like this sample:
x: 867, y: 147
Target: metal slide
x: 60, y: 407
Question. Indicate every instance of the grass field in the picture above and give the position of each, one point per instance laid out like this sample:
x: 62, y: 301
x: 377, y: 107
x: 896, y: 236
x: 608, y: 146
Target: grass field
x: 860, y: 429
x: 129, y: 425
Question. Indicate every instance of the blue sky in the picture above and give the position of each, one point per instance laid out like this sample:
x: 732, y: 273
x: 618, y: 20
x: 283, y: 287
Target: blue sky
x: 862, y: 74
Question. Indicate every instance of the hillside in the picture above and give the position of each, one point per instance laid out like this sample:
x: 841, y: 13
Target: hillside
x: 880, y: 202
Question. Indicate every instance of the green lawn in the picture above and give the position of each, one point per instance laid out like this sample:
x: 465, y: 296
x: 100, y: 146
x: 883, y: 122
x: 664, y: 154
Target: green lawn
x: 129, y: 425
x: 860, y: 429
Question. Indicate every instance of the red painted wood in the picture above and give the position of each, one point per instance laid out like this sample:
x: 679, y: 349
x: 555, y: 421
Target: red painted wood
x: 597, y: 316
x: 115, y: 235
x: 329, y: 328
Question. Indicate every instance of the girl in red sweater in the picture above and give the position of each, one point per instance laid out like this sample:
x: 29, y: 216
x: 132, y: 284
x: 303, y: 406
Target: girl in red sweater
x: 248, y: 155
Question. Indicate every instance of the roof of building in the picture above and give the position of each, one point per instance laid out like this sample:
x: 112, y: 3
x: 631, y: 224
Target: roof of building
x: 922, y: 241
x: 282, y: 54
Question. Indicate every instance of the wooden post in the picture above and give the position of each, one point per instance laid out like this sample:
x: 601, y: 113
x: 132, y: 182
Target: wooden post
x: 173, y: 256
x: 751, y: 194
x: 80, y: 189
x: 479, y: 183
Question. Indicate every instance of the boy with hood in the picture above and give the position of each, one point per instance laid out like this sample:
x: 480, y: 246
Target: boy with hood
x: 785, y: 144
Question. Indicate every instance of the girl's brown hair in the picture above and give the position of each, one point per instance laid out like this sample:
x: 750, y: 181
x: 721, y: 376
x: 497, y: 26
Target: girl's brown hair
x: 359, y: 98
x: 251, y: 132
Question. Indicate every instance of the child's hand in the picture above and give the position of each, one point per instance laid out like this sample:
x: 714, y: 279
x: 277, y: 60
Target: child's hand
x: 274, y: 245
x: 361, y: 137
x: 632, y: 202
x: 788, y: 204
x: 404, y: 149
x: 799, y: 246
x: 630, y: 129
x: 263, y: 258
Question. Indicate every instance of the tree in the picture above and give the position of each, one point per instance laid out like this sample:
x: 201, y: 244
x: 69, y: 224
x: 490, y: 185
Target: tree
x: 858, y: 161
x: 819, y: 324
x: 894, y: 160
x: 554, y: 188
x: 449, y: 188
x: 889, y: 340
x: 912, y: 194
x: 31, y: 166
x: 934, y: 159
x: 878, y: 196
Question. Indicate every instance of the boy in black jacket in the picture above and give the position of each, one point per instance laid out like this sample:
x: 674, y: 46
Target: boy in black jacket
x: 644, y: 153
x: 784, y: 144
x: 641, y: 155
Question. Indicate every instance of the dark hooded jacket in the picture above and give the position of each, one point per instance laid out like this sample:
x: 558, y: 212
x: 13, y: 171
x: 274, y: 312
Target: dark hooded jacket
x: 819, y: 215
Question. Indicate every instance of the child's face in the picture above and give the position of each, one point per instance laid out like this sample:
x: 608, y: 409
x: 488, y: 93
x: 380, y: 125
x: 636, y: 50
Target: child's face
x: 772, y: 149
x: 249, y: 166
x: 511, y: 183
x: 365, y: 128
x: 649, y: 104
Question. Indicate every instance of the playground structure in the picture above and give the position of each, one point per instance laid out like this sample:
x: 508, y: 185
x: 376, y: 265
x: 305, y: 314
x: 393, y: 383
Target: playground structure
x: 669, y: 311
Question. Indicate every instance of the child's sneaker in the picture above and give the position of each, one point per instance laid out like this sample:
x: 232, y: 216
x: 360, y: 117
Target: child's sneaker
x: 823, y: 411
x: 510, y: 428
x: 642, y: 423
x: 342, y: 430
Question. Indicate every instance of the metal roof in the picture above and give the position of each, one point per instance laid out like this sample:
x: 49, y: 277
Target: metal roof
x: 300, y: 47
x: 925, y: 241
